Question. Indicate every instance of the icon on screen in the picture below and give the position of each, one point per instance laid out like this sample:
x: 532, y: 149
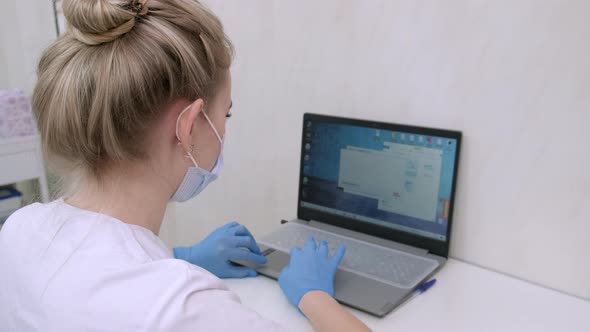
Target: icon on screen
x: 411, y: 138
x: 393, y: 135
x: 307, y: 146
x: 308, y: 124
x: 449, y: 142
x: 420, y: 139
x: 439, y: 141
x: 305, y: 180
x: 402, y: 136
x: 429, y: 139
x: 306, y: 169
x: 306, y: 157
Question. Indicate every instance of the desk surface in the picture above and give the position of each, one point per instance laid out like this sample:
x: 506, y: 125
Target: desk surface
x: 465, y: 298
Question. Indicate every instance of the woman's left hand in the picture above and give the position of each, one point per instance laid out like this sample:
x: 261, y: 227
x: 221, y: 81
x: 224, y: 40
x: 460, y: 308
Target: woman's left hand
x: 231, y: 242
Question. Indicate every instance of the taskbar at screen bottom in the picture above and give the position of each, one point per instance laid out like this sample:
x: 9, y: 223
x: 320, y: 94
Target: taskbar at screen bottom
x: 373, y: 221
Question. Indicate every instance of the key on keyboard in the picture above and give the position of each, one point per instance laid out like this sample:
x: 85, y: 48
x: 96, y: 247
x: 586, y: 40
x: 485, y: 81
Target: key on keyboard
x: 387, y: 265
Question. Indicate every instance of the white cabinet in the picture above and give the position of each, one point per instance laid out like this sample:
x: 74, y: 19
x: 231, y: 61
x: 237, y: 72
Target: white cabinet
x: 20, y: 160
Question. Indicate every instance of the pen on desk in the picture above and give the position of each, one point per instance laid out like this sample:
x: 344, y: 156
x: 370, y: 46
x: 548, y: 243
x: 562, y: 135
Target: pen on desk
x: 424, y: 287
x: 419, y: 290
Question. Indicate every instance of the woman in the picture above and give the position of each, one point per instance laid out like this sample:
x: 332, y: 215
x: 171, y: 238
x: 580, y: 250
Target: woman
x: 131, y: 105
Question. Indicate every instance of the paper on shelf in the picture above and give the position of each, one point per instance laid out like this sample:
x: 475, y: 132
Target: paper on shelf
x: 16, y: 117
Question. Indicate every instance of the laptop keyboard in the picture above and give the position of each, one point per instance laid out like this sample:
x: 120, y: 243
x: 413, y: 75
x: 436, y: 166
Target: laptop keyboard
x: 387, y: 265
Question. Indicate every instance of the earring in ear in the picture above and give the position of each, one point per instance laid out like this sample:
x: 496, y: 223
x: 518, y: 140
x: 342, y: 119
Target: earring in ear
x: 189, y: 155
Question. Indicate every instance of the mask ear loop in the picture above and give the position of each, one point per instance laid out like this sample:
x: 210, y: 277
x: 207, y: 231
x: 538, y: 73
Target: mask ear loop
x: 212, y: 127
x: 188, y: 154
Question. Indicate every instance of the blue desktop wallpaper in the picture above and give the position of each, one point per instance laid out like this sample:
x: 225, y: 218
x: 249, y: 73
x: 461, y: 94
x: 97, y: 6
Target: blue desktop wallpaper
x: 323, y: 142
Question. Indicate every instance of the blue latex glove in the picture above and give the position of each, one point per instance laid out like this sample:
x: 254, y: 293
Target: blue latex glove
x: 229, y: 242
x: 310, y: 269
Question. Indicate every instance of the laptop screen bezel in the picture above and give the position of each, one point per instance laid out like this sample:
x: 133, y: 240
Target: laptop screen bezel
x: 436, y: 247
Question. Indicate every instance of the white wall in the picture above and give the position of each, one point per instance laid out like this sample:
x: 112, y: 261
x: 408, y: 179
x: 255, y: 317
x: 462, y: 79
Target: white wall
x: 26, y: 28
x: 514, y: 76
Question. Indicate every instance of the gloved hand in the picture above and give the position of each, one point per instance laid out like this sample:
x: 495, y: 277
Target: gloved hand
x: 229, y: 242
x: 310, y: 269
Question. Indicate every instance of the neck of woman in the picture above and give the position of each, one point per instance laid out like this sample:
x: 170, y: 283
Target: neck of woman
x: 137, y: 196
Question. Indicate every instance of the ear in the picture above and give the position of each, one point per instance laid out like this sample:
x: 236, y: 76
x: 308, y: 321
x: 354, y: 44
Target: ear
x: 185, y: 123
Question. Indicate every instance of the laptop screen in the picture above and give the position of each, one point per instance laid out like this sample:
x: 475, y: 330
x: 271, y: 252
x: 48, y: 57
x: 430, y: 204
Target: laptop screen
x: 402, y: 180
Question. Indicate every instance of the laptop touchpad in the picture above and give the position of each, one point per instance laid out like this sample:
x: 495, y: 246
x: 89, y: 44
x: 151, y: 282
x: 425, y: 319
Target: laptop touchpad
x: 277, y: 260
x: 357, y: 291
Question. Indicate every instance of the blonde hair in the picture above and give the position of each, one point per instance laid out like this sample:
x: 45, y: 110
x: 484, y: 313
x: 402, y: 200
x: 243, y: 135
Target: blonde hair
x: 103, y: 83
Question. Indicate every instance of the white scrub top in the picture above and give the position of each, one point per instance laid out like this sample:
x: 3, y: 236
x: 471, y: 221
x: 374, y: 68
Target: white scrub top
x: 67, y: 269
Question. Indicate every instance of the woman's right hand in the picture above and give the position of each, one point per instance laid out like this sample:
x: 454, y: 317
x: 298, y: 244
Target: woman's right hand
x: 310, y: 269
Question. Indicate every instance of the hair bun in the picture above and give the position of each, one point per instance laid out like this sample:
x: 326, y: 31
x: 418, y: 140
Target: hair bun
x: 94, y: 22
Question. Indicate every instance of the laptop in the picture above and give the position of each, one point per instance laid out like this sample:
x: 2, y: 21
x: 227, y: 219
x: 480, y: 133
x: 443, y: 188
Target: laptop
x: 386, y: 191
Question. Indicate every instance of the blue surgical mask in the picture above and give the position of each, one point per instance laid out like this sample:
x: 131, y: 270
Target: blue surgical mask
x: 196, y: 178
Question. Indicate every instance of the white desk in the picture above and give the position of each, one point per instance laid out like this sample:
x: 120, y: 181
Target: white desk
x: 465, y: 298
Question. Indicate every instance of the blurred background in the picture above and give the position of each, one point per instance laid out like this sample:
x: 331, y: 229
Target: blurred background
x: 512, y: 75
